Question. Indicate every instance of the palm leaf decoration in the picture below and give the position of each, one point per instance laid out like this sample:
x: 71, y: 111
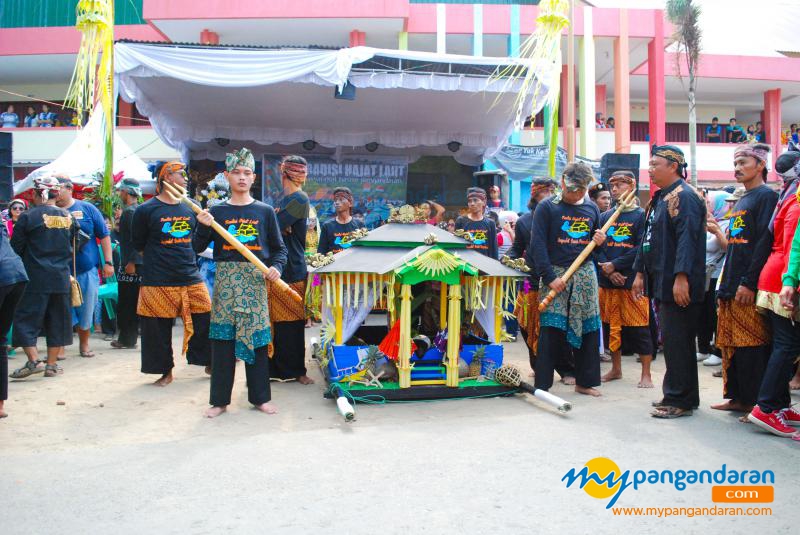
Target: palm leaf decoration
x: 435, y: 262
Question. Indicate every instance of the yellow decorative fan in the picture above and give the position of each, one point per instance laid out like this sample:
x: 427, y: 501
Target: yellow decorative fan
x: 435, y: 262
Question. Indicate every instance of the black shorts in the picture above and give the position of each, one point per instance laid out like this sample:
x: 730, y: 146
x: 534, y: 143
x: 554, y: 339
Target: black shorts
x: 42, y: 312
x: 634, y: 339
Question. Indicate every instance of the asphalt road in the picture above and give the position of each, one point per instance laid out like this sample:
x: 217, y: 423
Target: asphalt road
x: 121, y: 456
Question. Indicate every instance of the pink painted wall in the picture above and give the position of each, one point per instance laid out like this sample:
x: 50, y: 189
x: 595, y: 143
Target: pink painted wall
x: 735, y: 67
x: 61, y: 39
x: 235, y: 9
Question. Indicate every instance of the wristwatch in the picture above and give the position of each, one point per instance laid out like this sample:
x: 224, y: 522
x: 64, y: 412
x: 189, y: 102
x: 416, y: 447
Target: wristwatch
x: 109, y: 263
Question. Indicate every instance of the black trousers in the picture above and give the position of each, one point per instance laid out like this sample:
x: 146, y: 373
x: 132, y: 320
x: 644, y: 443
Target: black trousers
x: 38, y: 313
x: 774, y: 392
x: 707, y: 323
x: 679, y: 328
x: 127, y: 319
x: 157, y: 344
x: 223, y: 369
x: 289, y: 343
x: 9, y: 297
x: 553, y: 346
x: 745, y: 373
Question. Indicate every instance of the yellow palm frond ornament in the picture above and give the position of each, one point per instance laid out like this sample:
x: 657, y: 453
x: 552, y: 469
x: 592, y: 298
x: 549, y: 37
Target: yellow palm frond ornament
x: 92, y: 82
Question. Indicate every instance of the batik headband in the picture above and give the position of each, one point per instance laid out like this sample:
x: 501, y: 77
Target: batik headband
x: 242, y: 157
x: 295, y: 171
x: 623, y: 176
x: 752, y: 151
x: 169, y: 168
x: 344, y: 193
x: 671, y: 153
x: 476, y: 193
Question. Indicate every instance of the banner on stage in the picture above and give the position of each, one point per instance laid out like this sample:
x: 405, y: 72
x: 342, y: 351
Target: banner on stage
x: 522, y: 162
x: 377, y: 185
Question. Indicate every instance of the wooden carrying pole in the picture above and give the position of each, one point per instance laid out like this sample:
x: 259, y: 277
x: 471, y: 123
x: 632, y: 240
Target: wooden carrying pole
x: 625, y: 202
x: 178, y: 193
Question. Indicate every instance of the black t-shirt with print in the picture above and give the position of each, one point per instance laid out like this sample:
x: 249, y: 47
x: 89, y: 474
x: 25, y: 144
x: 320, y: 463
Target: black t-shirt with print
x: 293, y: 222
x: 163, y: 232
x: 335, y: 236
x: 560, y: 233
x: 749, y: 220
x: 43, y: 239
x: 483, y: 235
x: 623, y: 239
x: 254, y: 225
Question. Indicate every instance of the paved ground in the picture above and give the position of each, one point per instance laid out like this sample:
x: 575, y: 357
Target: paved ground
x: 123, y: 456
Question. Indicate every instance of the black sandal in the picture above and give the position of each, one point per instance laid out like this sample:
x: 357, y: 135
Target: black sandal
x: 666, y: 412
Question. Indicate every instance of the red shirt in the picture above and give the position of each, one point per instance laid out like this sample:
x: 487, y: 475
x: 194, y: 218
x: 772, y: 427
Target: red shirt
x: 783, y: 233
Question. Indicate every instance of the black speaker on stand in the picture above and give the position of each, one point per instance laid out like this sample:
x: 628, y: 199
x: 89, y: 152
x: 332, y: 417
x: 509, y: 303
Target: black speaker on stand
x: 6, y: 170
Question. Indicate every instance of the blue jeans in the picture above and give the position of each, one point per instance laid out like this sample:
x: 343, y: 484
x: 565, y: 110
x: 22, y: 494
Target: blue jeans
x: 774, y: 392
x: 83, y: 316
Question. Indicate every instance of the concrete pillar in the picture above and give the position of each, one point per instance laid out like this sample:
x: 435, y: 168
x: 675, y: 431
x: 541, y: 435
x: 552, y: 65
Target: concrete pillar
x: 358, y: 38
x: 772, y: 123
x: 513, y: 34
x: 207, y: 37
x: 441, y: 28
x: 622, y: 87
x: 586, y: 78
x: 600, y: 96
x: 125, y: 113
x: 477, y: 30
x: 656, y: 83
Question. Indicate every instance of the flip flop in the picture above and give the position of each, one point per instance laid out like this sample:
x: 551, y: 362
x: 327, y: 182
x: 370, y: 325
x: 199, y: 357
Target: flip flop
x: 668, y: 413
x: 87, y: 354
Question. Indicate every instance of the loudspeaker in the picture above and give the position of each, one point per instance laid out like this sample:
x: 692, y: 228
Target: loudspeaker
x: 6, y: 171
x: 487, y: 179
x: 348, y: 92
x: 612, y: 162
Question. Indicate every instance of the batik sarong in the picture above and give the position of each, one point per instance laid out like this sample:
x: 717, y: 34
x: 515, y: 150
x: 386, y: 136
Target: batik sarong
x: 739, y: 326
x: 619, y: 309
x: 527, y: 313
x: 173, y: 302
x: 284, y: 308
x: 575, y: 310
x: 240, y: 309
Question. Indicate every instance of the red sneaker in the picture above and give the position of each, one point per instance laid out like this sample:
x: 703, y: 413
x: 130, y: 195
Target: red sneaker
x: 791, y: 416
x: 771, y: 421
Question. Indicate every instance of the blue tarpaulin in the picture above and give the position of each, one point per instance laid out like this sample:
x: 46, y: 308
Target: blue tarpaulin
x: 523, y: 162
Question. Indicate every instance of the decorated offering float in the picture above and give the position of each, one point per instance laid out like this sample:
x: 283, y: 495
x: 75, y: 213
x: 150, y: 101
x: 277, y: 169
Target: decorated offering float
x: 444, y: 307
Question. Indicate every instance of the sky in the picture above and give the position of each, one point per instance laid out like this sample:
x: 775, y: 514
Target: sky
x: 738, y: 27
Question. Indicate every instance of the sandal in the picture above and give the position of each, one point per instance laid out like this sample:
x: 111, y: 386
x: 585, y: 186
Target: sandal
x: 666, y: 412
x: 658, y: 404
x: 87, y: 354
x: 717, y: 373
x: 117, y: 345
x: 27, y: 370
x: 51, y: 370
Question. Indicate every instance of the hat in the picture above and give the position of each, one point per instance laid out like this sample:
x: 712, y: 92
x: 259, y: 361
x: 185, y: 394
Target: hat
x: 479, y: 193
x: 622, y: 176
x: 64, y: 181
x: 241, y: 157
x: 673, y: 154
x: 129, y: 185
x: 577, y: 176
x: 47, y: 184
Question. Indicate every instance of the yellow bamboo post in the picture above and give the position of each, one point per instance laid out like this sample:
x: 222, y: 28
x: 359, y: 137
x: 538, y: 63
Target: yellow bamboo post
x: 453, y: 334
x: 443, y: 307
x: 498, y: 309
x: 338, y: 309
x: 404, y: 353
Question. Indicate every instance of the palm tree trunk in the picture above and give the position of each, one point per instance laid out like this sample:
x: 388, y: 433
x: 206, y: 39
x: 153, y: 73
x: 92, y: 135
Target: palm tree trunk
x: 692, y: 130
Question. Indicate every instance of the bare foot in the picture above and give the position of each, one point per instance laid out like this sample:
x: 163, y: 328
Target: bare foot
x: 208, y: 370
x: 305, y: 380
x: 3, y: 414
x: 612, y: 375
x: 645, y: 382
x: 744, y: 419
x: 731, y: 405
x: 164, y: 380
x: 568, y: 380
x: 267, y: 407
x: 213, y: 412
x: 794, y: 384
x: 589, y: 391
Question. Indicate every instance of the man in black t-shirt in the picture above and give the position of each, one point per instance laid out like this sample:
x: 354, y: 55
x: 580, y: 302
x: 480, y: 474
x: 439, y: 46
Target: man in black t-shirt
x: 171, y: 283
x: 43, y: 238
x: 335, y: 233
x: 475, y: 227
x: 287, y: 316
x: 240, y: 326
x: 743, y: 334
x: 128, y: 278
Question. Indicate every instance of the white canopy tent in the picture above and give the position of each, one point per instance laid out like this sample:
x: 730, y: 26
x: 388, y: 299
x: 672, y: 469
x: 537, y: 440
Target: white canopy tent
x: 203, y: 101
x: 85, y: 157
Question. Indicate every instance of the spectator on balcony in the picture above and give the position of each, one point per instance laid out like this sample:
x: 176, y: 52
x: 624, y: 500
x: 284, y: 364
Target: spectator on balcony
x: 599, y: 120
x: 751, y: 134
x: 734, y: 133
x: 714, y: 131
x: 75, y: 119
x: 46, y: 118
x: 8, y: 118
x: 30, y: 118
x: 760, y: 134
x: 610, y: 123
x: 794, y: 136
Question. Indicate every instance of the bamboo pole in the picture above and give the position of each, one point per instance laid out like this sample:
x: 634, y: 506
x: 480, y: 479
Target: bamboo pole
x: 453, y: 334
x: 578, y: 262
x: 338, y: 311
x: 443, y: 307
x: 404, y: 353
x: 498, y: 307
x: 179, y: 194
